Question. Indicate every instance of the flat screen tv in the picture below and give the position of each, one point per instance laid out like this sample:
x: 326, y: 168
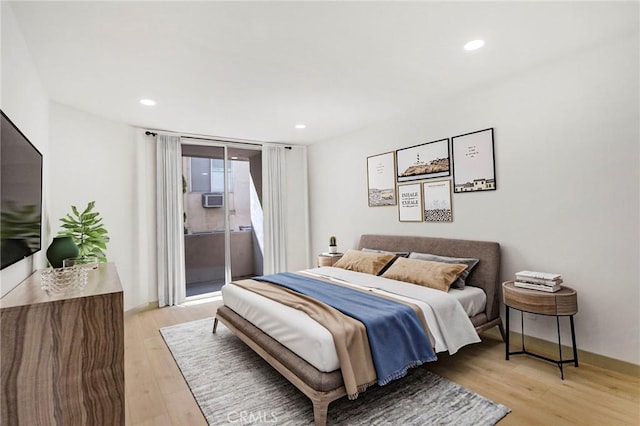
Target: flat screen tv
x: 21, y: 193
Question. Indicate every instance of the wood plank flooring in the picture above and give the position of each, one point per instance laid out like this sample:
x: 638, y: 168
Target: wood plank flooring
x: 156, y: 393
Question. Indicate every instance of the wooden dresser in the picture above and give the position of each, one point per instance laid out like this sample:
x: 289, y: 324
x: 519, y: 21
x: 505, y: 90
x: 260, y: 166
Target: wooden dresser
x: 63, y: 353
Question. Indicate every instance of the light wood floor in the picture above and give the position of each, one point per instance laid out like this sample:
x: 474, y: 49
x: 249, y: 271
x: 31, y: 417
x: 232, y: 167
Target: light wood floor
x: 156, y: 393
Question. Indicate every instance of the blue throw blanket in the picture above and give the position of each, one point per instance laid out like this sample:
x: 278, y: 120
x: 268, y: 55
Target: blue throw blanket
x: 396, y: 337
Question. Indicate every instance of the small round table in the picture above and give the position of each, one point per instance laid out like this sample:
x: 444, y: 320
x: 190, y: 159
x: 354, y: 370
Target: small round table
x: 328, y: 259
x: 563, y: 302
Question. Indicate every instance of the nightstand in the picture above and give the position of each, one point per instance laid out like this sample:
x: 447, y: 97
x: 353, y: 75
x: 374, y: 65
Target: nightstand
x: 328, y: 259
x: 561, y: 303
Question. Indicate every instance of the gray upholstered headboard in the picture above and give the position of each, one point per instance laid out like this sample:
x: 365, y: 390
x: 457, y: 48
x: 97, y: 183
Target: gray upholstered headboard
x: 486, y: 274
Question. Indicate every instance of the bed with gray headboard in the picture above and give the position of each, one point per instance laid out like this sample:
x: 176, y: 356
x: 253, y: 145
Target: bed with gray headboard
x: 325, y: 387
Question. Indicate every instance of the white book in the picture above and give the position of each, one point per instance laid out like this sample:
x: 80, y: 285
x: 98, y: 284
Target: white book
x: 541, y: 287
x: 539, y: 275
x: 538, y: 280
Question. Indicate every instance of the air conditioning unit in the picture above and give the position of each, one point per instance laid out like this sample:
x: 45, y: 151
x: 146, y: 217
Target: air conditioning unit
x: 213, y: 199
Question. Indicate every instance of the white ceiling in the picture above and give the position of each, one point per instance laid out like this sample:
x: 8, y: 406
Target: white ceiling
x: 252, y: 70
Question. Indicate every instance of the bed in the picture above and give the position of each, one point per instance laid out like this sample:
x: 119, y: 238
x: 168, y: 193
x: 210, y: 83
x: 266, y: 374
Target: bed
x: 316, y: 372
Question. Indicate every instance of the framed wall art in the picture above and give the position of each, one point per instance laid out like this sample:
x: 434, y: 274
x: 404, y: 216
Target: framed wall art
x: 410, y: 203
x: 381, y: 180
x: 474, y: 162
x: 437, y: 201
x: 425, y: 161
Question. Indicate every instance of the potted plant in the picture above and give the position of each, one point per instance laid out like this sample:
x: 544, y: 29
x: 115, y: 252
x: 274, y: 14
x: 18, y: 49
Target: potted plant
x: 87, y: 232
x: 333, y: 248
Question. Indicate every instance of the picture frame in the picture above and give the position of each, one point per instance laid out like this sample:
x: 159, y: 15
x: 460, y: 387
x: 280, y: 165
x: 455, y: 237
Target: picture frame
x: 474, y: 162
x: 437, y: 201
x: 410, y: 207
x: 424, y: 161
x: 381, y: 182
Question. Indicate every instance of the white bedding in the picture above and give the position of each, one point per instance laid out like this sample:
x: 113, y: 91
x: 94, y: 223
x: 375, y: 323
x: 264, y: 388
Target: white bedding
x: 446, y: 317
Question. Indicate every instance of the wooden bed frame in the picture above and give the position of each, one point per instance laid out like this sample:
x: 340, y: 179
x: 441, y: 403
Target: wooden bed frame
x: 323, y: 388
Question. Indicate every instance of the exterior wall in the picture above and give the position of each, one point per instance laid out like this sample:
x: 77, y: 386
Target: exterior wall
x: 200, y: 219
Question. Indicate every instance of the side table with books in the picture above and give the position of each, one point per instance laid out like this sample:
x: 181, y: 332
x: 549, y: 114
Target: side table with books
x: 562, y: 302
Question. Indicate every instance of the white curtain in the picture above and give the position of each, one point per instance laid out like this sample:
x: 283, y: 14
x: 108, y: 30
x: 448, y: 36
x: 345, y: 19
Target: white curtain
x: 170, y: 227
x: 274, y: 204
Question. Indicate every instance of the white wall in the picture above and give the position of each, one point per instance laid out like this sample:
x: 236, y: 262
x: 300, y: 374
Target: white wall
x: 24, y: 101
x: 566, y: 151
x: 145, y: 289
x: 114, y: 164
x: 93, y: 159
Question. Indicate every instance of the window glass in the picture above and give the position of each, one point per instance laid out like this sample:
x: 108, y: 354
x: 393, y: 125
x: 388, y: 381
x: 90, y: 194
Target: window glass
x: 207, y: 175
x: 200, y: 175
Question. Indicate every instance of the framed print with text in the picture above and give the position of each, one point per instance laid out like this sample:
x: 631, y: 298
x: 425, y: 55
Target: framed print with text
x: 437, y: 201
x: 474, y: 162
x: 425, y: 161
x: 410, y: 203
x: 381, y: 179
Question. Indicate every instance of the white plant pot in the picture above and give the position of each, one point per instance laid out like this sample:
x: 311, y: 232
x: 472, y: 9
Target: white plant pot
x: 333, y: 249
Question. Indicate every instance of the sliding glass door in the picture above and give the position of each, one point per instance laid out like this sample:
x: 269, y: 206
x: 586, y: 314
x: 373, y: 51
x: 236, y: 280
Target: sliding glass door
x: 223, y: 215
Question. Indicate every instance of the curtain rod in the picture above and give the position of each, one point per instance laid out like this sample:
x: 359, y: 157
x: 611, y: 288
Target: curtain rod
x: 154, y: 134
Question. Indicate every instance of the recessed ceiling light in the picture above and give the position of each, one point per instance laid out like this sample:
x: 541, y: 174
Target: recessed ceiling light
x: 147, y: 102
x: 473, y: 45
x: 301, y: 126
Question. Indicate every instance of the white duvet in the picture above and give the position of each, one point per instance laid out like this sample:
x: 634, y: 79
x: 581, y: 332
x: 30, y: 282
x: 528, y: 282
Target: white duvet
x: 447, y: 320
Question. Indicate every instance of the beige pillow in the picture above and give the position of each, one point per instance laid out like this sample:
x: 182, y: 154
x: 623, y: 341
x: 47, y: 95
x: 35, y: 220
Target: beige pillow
x: 426, y: 273
x: 359, y: 261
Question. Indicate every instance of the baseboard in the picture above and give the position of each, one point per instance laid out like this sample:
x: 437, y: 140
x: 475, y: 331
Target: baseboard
x: 550, y: 349
x: 142, y: 308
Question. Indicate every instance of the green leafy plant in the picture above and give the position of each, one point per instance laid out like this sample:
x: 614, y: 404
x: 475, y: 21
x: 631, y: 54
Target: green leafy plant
x: 87, y: 231
x: 332, y: 241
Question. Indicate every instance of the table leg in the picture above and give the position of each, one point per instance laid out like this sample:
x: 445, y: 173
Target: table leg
x: 573, y: 341
x: 506, y: 335
x: 559, y: 348
x: 522, y: 330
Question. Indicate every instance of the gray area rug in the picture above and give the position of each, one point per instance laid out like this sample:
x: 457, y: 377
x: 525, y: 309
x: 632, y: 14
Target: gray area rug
x: 233, y: 385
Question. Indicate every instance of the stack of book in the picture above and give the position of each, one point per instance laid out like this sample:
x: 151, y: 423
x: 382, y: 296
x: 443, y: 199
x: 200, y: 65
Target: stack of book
x: 542, y: 281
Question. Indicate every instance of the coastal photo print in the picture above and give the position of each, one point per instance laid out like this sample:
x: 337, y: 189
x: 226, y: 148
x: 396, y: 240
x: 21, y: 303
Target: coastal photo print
x: 429, y: 160
x: 381, y: 180
x: 474, y: 163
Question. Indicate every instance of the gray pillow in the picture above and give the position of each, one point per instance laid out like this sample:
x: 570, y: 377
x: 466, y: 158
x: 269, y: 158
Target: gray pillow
x: 459, y: 283
x: 397, y: 253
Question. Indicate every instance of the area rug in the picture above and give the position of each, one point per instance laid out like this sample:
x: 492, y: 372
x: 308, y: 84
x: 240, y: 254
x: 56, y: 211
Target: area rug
x: 233, y: 385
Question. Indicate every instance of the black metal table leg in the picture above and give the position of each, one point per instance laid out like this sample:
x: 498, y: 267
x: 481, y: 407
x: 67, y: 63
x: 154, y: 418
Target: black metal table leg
x: 522, y: 331
x: 506, y: 340
x: 573, y: 341
x: 559, y: 348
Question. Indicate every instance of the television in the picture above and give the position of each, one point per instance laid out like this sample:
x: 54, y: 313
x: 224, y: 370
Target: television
x: 20, y: 193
